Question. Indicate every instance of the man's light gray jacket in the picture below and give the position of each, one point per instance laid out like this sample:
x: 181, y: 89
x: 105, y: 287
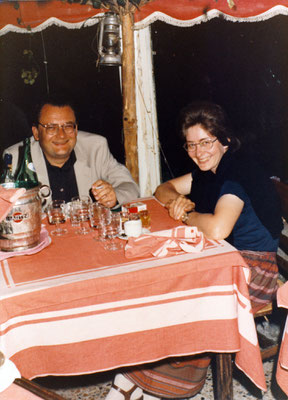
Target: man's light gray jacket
x: 94, y: 161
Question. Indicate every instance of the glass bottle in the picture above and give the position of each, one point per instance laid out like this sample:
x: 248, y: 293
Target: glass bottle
x: 26, y: 176
x: 7, y: 179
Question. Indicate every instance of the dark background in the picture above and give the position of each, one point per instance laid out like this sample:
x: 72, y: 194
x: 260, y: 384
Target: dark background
x: 242, y: 66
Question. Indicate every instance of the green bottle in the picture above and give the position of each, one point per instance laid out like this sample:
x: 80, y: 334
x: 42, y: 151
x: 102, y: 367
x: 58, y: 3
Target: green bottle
x: 26, y: 176
x: 7, y: 179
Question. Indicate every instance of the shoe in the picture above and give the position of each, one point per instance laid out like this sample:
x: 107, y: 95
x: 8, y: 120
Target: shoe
x: 126, y: 394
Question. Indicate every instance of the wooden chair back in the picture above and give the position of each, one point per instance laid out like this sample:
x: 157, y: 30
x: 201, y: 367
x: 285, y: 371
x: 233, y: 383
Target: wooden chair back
x: 23, y: 389
x: 282, y: 189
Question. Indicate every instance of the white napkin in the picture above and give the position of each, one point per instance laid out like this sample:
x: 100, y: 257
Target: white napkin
x: 161, y: 243
x: 45, y: 240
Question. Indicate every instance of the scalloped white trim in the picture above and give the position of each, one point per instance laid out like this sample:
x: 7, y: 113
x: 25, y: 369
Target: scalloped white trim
x: 53, y: 21
x: 158, y: 16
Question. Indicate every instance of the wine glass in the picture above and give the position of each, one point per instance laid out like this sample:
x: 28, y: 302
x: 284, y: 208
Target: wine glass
x: 56, y: 216
x: 112, y: 231
x: 80, y: 210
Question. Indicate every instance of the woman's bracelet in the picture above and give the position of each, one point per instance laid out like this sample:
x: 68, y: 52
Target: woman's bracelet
x: 185, y: 216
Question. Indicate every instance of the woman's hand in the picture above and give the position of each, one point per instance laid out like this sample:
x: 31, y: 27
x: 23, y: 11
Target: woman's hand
x: 179, y: 206
x: 104, y: 193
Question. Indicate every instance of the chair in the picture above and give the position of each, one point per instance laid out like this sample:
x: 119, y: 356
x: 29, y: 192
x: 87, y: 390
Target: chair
x: 224, y: 362
x: 28, y: 390
x: 282, y: 255
x: 38, y: 390
x: 24, y: 389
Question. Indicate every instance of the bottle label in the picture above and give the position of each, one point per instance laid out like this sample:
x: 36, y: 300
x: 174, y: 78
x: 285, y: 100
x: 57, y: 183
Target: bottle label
x: 31, y: 167
x: 21, y: 220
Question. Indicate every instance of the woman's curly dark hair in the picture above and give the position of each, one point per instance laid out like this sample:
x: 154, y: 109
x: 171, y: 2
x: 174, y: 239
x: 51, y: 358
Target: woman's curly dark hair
x: 213, y: 119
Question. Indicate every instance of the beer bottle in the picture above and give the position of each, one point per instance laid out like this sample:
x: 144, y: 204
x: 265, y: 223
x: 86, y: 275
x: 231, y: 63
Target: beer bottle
x: 26, y: 176
x: 7, y: 179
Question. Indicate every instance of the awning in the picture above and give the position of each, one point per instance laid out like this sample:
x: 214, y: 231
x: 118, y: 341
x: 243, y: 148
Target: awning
x: 37, y: 15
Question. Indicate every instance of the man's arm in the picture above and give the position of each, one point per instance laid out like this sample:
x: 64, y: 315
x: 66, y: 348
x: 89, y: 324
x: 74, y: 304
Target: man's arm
x: 92, y: 151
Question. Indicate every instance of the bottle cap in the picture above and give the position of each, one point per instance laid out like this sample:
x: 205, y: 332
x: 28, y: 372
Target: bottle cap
x: 8, y: 159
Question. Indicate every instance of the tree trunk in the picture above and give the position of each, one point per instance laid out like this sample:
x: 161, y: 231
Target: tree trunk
x: 129, y: 96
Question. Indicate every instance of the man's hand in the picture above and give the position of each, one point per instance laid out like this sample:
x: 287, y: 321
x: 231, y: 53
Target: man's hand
x: 179, y: 206
x: 104, y: 193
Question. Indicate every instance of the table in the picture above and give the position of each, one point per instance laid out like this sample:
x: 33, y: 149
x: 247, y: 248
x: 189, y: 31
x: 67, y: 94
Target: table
x: 282, y: 363
x: 75, y: 308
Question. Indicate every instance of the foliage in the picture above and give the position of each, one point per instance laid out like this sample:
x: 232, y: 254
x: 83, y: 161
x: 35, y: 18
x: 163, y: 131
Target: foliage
x: 30, y: 73
x: 117, y: 6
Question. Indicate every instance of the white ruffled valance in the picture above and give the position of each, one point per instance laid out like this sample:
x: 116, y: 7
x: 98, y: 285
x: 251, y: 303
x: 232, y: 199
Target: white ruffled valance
x: 156, y: 16
x: 52, y: 21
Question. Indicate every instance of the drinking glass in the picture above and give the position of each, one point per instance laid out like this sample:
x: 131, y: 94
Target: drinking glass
x: 146, y: 219
x: 56, y: 216
x: 80, y: 212
x: 95, y: 210
x: 105, y: 215
x: 73, y: 211
x: 112, y: 231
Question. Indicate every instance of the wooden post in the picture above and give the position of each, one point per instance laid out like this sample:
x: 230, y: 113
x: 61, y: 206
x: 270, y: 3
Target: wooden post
x: 224, y: 382
x: 129, y: 96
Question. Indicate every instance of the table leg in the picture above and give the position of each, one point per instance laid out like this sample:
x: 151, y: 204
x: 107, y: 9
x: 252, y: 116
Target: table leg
x: 224, y: 383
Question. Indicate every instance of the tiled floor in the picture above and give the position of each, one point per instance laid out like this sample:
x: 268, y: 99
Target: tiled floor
x: 96, y: 387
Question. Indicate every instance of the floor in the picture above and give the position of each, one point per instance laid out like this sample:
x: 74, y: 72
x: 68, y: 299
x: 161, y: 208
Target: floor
x: 96, y: 387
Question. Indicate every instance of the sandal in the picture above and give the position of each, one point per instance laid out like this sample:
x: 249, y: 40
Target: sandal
x: 126, y: 394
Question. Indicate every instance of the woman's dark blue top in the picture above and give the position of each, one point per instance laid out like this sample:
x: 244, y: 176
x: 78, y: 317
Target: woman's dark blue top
x: 259, y: 224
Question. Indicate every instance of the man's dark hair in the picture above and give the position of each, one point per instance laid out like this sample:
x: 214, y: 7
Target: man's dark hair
x: 55, y: 100
x: 213, y: 119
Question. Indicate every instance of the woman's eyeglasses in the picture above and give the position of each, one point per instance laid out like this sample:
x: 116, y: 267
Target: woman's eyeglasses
x: 205, y: 144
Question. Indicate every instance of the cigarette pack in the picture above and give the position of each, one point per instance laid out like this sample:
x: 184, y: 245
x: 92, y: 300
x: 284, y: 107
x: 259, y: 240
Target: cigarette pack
x: 134, y: 207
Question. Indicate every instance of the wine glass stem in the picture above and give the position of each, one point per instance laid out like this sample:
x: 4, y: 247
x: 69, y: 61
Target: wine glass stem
x: 57, y: 226
x: 82, y: 227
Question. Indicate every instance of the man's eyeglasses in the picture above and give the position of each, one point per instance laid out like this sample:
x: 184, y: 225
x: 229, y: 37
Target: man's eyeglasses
x: 52, y: 129
x: 205, y: 144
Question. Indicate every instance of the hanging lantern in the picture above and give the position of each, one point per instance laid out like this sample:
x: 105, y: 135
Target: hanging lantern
x: 109, y: 40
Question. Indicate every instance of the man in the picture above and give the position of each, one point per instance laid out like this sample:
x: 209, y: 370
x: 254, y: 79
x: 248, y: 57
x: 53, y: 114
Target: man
x: 74, y: 162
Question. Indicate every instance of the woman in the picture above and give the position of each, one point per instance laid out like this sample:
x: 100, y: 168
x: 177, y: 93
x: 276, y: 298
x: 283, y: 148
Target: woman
x: 228, y: 196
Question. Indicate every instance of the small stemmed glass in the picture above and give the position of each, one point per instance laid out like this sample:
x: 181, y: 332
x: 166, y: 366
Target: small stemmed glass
x: 112, y: 231
x: 56, y: 216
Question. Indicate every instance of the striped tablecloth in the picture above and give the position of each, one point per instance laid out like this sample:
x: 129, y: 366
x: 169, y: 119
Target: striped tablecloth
x: 75, y: 308
x: 282, y: 365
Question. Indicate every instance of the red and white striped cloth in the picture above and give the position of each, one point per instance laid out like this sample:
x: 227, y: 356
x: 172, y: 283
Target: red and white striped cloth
x: 75, y: 308
x: 168, y: 241
x: 8, y: 198
x: 282, y: 365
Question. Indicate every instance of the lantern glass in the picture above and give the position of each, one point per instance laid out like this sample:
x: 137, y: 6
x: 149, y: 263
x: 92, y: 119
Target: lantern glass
x: 109, y: 40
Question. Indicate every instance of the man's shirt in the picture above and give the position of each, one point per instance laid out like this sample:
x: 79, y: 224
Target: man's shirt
x: 63, y: 180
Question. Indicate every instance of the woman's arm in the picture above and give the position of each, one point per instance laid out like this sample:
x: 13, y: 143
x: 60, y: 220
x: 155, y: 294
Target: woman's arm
x: 170, y: 190
x: 172, y: 194
x: 220, y: 224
